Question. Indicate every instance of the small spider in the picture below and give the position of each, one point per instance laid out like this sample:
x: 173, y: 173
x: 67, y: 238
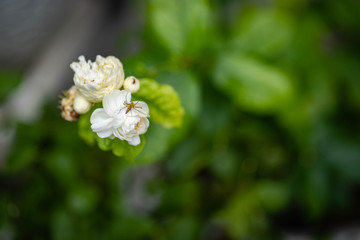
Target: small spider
x: 131, y: 105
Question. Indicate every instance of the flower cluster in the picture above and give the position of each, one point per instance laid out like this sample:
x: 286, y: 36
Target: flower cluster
x: 121, y: 118
x: 101, y: 81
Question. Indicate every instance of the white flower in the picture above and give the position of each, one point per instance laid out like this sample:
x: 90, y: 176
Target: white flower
x: 132, y: 84
x: 95, y: 79
x: 120, y: 117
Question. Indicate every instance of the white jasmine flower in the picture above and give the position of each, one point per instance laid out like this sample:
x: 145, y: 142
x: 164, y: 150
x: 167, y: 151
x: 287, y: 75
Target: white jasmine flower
x: 95, y: 79
x: 120, y: 117
x: 81, y: 105
x: 132, y: 84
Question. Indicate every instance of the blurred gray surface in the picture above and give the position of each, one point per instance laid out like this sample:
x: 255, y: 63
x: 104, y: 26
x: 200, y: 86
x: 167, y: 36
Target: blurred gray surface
x: 25, y: 26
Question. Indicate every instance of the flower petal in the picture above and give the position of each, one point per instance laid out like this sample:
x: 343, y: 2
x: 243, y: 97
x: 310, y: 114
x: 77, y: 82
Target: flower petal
x: 143, y: 125
x: 127, y: 95
x: 134, y: 140
x: 100, y: 120
x: 114, y: 101
x: 119, y: 134
x: 141, y: 109
x: 105, y: 133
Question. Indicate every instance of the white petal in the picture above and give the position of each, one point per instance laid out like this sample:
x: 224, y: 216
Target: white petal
x: 134, y: 140
x: 144, y: 124
x: 127, y: 95
x: 82, y: 59
x: 119, y: 134
x: 106, y: 133
x: 141, y: 109
x: 114, y: 101
x: 129, y: 121
x: 98, y: 115
x: 99, y: 58
x: 129, y: 125
x: 100, y: 121
x: 118, y: 120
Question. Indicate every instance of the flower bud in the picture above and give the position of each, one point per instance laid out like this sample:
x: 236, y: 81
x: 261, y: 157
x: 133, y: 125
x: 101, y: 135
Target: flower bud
x: 67, y: 105
x: 81, y: 105
x: 132, y: 84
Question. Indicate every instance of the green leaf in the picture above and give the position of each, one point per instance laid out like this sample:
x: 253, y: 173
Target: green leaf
x: 164, y: 19
x: 105, y: 144
x: 265, y: 32
x: 252, y: 84
x: 187, y: 87
x: 124, y: 149
x: 163, y: 102
x: 159, y: 139
x: 180, y: 25
x: 85, y: 131
x: 119, y: 148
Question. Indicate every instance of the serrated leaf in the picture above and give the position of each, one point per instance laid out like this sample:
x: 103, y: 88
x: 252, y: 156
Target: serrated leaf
x: 163, y: 101
x: 187, y: 87
x: 252, y: 84
x: 161, y: 140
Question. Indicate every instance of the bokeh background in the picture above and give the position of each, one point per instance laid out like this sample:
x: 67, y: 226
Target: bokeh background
x: 269, y: 147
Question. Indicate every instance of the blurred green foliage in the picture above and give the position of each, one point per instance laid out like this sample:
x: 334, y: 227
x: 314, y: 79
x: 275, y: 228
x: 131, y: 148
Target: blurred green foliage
x: 269, y: 140
x: 9, y: 79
